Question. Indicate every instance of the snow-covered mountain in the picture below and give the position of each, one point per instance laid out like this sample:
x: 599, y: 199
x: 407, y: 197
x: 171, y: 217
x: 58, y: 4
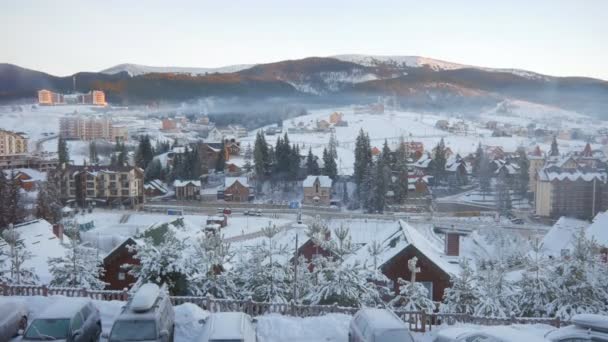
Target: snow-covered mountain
x: 137, y: 69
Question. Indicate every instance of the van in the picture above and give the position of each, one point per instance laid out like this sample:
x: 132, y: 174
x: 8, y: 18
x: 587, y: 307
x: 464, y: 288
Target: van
x: 148, y: 316
x: 378, y: 325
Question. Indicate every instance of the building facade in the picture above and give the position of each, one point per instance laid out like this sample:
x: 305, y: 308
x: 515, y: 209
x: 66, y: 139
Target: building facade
x: 91, y: 128
x: 236, y: 189
x: 103, y: 185
x: 50, y: 98
x: 187, y: 190
x: 12, y: 143
x: 317, y: 190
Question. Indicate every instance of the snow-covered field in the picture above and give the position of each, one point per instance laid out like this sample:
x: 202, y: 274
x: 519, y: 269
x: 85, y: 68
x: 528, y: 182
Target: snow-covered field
x: 270, y: 328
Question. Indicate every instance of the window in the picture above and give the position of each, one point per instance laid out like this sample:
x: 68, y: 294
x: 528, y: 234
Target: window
x: 429, y: 287
x: 121, y: 276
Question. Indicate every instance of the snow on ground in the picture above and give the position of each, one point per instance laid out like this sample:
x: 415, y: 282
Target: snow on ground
x: 270, y: 328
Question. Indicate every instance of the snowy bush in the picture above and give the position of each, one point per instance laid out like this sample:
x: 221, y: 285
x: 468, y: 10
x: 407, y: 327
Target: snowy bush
x: 463, y: 295
x: 80, y: 267
x: 209, y: 276
x: 412, y: 297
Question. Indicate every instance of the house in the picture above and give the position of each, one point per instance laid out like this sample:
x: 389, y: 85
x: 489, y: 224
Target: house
x: 317, y: 190
x: 376, y: 151
x: 335, y: 118
x: 598, y: 231
x: 238, y: 131
x: 232, y: 168
x: 169, y: 124
x: 116, y: 276
x: 457, y: 170
x: 443, y: 125
x: 103, y: 185
x: 414, y: 149
x: 44, y: 241
x: 322, y: 125
x: 558, y: 240
x: 400, y: 245
x: 28, y: 179
x: 210, y: 152
x: 155, y: 188
x: 187, y: 190
x: 309, y: 250
x: 236, y: 189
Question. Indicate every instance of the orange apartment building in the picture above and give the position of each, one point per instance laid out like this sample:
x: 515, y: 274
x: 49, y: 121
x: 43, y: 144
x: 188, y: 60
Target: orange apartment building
x: 50, y: 98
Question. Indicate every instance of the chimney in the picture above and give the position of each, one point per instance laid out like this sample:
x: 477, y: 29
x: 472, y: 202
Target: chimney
x: 452, y: 243
x: 58, y: 231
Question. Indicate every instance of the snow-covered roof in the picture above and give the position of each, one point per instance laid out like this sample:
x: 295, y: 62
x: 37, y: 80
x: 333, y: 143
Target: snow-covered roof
x: 598, y: 230
x: 325, y: 181
x: 156, y: 184
x: 228, y: 181
x: 561, y: 235
x: 571, y: 176
x: 37, y: 237
x: 423, y: 162
x: 180, y: 183
x: 34, y: 175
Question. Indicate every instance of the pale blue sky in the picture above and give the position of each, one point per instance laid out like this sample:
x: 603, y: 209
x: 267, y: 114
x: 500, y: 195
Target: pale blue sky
x: 555, y: 37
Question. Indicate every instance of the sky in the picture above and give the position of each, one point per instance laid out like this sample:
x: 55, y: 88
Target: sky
x: 61, y: 37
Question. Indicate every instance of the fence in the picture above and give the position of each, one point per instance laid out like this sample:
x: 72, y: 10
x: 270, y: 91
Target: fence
x: 418, y: 321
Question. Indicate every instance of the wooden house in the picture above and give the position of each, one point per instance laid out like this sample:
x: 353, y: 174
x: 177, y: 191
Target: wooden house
x: 116, y: 276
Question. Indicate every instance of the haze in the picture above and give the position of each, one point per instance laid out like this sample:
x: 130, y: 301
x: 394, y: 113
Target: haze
x: 562, y: 38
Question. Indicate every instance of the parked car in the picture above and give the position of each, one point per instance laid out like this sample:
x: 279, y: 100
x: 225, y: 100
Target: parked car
x: 378, y: 325
x: 228, y: 326
x: 487, y: 334
x: 585, y: 327
x: 13, y: 318
x: 147, y: 316
x: 75, y: 320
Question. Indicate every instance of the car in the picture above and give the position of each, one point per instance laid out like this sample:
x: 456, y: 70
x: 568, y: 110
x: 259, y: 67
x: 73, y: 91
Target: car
x: 75, y: 320
x: 147, y: 316
x: 378, y: 325
x: 13, y: 318
x: 486, y: 334
x: 585, y: 327
x: 258, y: 212
x: 517, y: 221
x: 228, y: 326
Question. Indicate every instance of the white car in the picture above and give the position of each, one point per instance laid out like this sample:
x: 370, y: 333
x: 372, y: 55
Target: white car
x: 585, y: 327
x: 13, y: 318
x: 486, y: 334
x: 228, y: 326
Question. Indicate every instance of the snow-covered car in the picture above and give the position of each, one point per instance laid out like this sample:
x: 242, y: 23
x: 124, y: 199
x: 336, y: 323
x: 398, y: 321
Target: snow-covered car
x: 228, y: 326
x: 378, y: 325
x: 585, y: 327
x: 76, y: 320
x: 13, y: 317
x: 486, y: 334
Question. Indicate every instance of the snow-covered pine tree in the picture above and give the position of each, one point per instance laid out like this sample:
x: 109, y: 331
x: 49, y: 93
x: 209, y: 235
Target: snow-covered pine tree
x: 14, y: 269
x: 377, y: 282
x: 248, y: 157
x: 330, y: 168
x: 15, y: 212
x: 332, y: 146
x: 48, y: 202
x: 80, y: 267
x: 462, y: 296
x: 497, y: 295
x: 554, y: 148
x: 209, y: 276
x: 162, y: 263
x: 400, y: 187
x: 412, y: 297
x: 580, y: 281
x: 536, y: 290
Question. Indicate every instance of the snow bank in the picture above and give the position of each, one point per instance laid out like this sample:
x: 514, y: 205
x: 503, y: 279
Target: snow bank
x: 277, y: 328
x: 187, y: 327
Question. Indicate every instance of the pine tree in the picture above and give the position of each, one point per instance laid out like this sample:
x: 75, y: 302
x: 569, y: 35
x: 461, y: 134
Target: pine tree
x: 220, y: 164
x: 15, y: 271
x: 121, y: 153
x: 329, y: 165
x: 554, y: 148
x: 63, y: 153
x: 210, y: 276
x: 412, y: 297
x: 261, y: 156
x: 484, y: 174
x: 93, y: 156
x: 536, y: 289
x: 363, y: 161
x: 81, y: 267
x: 15, y: 212
x: 462, y: 296
x: 332, y: 146
x: 439, y: 159
x: 503, y: 194
x: 497, y: 295
x: 580, y: 281
x: 48, y: 202
x: 248, y: 157
x: 401, y: 187
x: 312, y: 167
x: 162, y: 263
x: 144, y: 152
x: 154, y: 170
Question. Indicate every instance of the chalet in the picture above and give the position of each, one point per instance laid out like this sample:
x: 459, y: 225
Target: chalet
x: 414, y: 149
x: 45, y: 240
x: 317, y: 190
x: 232, y: 168
x: 28, y: 179
x: 400, y: 245
x: 210, y: 152
x: 155, y: 188
x: 424, y: 164
x: 116, y: 276
x: 187, y: 190
x: 457, y: 170
x: 236, y: 189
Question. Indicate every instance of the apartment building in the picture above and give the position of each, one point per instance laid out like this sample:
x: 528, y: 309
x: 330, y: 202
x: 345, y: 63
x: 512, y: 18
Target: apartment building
x: 105, y: 185
x: 91, y: 128
x: 50, y: 98
x: 12, y: 143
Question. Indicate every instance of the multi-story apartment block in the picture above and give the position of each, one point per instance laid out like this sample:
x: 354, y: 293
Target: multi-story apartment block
x: 104, y: 185
x: 50, y: 98
x: 12, y: 143
x: 91, y: 128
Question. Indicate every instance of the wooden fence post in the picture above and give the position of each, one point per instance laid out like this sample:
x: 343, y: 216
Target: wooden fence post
x: 423, y: 319
x: 124, y: 295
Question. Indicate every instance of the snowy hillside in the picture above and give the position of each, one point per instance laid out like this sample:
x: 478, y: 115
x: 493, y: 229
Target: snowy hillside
x: 137, y: 69
x: 418, y: 62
